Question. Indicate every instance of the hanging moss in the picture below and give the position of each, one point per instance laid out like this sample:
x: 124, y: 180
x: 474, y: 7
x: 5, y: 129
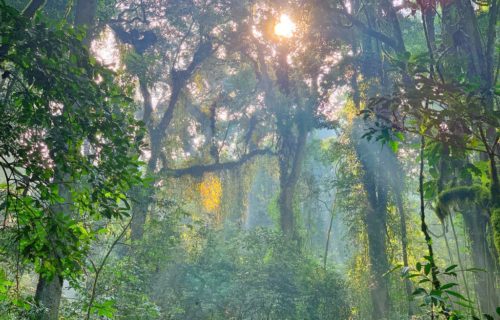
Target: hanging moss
x: 476, y: 194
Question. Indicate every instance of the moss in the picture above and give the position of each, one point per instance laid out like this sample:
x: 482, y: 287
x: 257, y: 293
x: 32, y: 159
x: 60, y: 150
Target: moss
x: 477, y: 194
x: 495, y: 223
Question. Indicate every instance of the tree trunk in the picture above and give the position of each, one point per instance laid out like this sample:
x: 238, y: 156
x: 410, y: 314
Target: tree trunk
x: 48, y: 295
x: 376, y: 227
x: 48, y: 292
x: 85, y: 15
x: 461, y: 34
x: 290, y: 165
x: 369, y: 154
x: 475, y: 224
x: 376, y: 190
x: 379, y: 289
x: 397, y: 187
x: 142, y: 198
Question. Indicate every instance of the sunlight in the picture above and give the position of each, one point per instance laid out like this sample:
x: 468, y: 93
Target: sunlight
x: 105, y: 50
x: 285, y: 27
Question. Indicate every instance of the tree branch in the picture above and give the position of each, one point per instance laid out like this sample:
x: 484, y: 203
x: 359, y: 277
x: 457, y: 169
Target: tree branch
x: 179, y: 80
x: 148, y: 104
x: 98, y: 270
x: 369, y: 31
x: 32, y: 8
x: 199, y: 170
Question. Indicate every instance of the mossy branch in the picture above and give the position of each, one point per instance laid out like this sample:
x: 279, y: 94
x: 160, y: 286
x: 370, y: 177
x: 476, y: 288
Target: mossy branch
x: 476, y: 194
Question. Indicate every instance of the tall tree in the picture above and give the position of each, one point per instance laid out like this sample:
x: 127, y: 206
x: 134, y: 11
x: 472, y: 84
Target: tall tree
x: 468, y: 53
x: 53, y: 106
x: 49, y: 291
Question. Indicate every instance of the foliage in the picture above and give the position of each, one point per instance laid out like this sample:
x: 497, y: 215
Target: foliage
x: 446, y: 300
x: 211, y: 193
x: 68, y: 144
x: 495, y: 220
x: 378, y: 82
x: 254, y: 275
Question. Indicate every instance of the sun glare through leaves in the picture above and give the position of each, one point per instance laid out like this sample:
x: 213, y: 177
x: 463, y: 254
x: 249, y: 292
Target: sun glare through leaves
x: 285, y: 27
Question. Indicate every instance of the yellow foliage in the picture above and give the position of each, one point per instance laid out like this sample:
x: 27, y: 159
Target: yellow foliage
x: 350, y: 112
x: 198, y: 81
x: 211, y: 193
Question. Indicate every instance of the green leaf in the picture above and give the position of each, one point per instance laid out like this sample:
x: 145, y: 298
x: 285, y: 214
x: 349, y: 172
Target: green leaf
x: 456, y: 294
x: 450, y: 268
x: 419, y: 291
x: 105, y: 309
x: 427, y: 268
x: 448, y: 285
x: 475, y: 270
x: 399, y: 266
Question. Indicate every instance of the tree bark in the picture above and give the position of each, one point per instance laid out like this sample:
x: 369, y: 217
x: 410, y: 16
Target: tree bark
x: 291, y: 156
x: 142, y: 198
x: 48, y: 295
x: 373, y: 158
x: 476, y: 222
x: 376, y: 225
x: 376, y: 217
x: 85, y: 13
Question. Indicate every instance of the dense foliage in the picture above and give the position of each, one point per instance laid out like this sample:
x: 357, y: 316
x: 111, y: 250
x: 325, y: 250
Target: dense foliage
x: 248, y: 159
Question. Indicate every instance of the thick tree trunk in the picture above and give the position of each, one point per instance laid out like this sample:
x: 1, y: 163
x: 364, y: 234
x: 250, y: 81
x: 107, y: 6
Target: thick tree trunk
x: 376, y: 227
x: 142, y: 198
x: 48, y: 295
x: 290, y: 165
x: 374, y: 182
x: 285, y: 202
x: 379, y: 289
x: 369, y: 154
x: 475, y: 223
x: 461, y: 34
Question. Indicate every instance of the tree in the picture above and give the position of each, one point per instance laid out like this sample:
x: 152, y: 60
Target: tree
x: 52, y: 107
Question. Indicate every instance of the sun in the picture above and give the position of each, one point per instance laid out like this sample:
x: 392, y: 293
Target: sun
x: 285, y: 27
